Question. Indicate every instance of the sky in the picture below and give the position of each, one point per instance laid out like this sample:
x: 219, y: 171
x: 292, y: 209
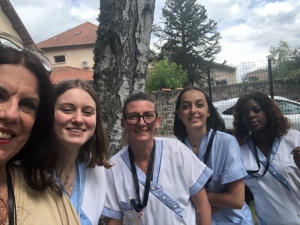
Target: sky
x: 248, y: 27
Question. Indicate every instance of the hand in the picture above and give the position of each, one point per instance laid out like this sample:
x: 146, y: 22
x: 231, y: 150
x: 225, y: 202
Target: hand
x: 296, y: 155
x: 214, y: 209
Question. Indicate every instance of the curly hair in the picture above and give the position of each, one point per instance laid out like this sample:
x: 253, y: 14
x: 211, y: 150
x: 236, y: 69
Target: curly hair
x: 214, y: 121
x: 276, y: 121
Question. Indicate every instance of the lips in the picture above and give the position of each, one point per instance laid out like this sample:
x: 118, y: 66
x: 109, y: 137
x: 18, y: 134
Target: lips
x: 253, y: 123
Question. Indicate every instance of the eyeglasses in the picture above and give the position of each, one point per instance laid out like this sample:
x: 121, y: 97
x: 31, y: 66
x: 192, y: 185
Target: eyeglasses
x: 134, y: 118
x: 9, y: 41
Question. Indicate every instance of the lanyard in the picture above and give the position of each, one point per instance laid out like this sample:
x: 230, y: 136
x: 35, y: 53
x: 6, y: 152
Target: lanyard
x: 252, y: 172
x: 207, y: 153
x: 12, y: 213
x: 138, y: 207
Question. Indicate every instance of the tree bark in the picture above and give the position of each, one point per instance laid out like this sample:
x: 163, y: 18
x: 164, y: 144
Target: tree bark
x: 121, y: 58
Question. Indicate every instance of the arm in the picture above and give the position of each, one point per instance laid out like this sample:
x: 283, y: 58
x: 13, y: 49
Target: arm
x: 110, y: 221
x: 203, y: 211
x: 296, y: 155
x: 233, y: 199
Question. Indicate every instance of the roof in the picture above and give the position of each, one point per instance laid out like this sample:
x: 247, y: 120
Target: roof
x: 256, y: 72
x: 64, y: 72
x: 17, y: 24
x: 80, y: 35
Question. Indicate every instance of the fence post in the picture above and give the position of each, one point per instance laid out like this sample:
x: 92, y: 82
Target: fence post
x: 270, y: 78
x: 209, y: 82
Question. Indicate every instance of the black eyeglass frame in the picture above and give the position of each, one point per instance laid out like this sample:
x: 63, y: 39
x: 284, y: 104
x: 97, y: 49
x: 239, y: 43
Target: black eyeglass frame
x: 13, y: 42
x: 156, y: 115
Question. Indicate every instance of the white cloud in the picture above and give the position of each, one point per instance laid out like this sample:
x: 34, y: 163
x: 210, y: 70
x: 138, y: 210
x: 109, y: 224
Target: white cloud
x: 248, y: 27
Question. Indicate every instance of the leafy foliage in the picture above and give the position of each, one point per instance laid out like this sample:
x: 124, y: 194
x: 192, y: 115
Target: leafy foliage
x: 165, y: 75
x: 190, y: 39
x: 285, y: 62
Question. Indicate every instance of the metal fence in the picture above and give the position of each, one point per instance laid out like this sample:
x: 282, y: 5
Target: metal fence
x: 232, y: 81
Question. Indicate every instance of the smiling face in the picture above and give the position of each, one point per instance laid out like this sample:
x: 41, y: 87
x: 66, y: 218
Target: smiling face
x: 141, y: 132
x: 193, y: 110
x: 75, y: 118
x: 19, y: 101
x: 253, y: 118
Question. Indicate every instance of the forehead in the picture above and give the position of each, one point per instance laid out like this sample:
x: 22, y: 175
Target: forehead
x: 192, y: 95
x: 140, y: 106
x: 250, y: 103
x: 18, y: 79
x: 76, y: 96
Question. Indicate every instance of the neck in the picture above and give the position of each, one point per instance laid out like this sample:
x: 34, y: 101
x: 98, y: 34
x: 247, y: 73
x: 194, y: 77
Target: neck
x: 70, y: 158
x: 195, y: 138
x: 262, y: 140
x: 142, y: 150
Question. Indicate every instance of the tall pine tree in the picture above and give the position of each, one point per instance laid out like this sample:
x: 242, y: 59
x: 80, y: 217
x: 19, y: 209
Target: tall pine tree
x: 190, y: 38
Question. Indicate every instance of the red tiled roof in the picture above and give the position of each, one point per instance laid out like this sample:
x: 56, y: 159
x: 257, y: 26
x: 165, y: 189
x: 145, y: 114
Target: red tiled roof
x: 64, y: 72
x: 80, y: 35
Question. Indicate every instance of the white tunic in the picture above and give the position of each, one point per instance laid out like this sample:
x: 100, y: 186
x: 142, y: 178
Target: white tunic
x: 276, y: 194
x: 178, y: 175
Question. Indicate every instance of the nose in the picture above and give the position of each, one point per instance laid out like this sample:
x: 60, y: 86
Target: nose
x: 193, y: 108
x: 9, y: 111
x: 251, y: 114
x: 141, y: 121
x: 78, y: 118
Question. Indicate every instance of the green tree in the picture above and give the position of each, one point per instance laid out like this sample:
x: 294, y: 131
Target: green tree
x: 285, y: 62
x: 165, y: 75
x: 190, y: 38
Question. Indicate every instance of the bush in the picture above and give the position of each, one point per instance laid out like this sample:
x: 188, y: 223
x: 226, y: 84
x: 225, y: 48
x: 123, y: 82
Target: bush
x: 165, y: 75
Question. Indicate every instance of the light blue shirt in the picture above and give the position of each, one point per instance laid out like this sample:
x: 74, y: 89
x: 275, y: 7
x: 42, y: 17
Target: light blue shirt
x: 225, y: 161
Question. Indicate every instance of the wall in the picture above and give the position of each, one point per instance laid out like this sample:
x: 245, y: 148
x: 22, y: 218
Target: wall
x: 74, y: 55
x: 6, y: 26
x: 165, y: 100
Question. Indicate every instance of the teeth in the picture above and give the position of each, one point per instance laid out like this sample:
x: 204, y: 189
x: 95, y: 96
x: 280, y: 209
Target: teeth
x: 141, y: 131
x: 75, y: 130
x: 5, y: 135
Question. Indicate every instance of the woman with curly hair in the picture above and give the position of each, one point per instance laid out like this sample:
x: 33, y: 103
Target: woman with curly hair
x: 266, y: 141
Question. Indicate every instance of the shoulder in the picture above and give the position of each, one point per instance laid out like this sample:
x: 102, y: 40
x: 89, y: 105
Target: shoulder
x: 170, y: 143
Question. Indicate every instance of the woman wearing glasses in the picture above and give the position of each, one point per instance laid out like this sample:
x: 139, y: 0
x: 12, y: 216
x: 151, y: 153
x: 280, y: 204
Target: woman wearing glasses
x: 199, y: 126
x: 78, y: 127
x: 266, y: 143
x: 154, y: 180
x: 29, y: 193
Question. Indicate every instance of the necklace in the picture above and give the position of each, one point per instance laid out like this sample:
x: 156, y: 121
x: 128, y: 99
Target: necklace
x: 194, y: 146
x: 69, y: 184
x: 146, y: 166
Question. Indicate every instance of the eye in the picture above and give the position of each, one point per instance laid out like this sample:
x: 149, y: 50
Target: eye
x: 132, y: 116
x: 243, y: 113
x: 88, y: 113
x: 28, y: 106
x: 199, y: 105
x: 256, y: 110
x: 185, y: 106
x: 148, y: 115
x: 67, y: 110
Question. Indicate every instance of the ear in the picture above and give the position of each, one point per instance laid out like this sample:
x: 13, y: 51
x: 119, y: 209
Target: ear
x: 157, y: 122
x: 178, y: 114
x: 123, y: 123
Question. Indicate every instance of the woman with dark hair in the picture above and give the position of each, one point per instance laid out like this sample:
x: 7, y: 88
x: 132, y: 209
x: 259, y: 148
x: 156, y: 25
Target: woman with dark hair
x: 79, y: 129
x: 29, y: 159
x: 154, y: 180
x: 266, y: 143
x: 200, y: 127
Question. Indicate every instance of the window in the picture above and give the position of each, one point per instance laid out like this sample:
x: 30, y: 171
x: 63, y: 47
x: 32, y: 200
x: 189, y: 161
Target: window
x: 288, y: 108
x: 228, y: 111
x: 59, y: 59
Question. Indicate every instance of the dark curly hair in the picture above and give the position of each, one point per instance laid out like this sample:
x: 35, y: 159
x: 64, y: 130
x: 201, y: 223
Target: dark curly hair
x: 276, y: 121
x: 214, y: 121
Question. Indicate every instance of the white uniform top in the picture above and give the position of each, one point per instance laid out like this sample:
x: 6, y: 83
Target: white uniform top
x: 89, y: 193
x: 277, y: 193
x: 226, y: 162
x: 177, y: 175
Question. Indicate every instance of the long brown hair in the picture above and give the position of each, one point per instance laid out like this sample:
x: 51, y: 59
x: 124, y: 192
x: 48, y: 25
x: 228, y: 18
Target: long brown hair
x: 94, y: 151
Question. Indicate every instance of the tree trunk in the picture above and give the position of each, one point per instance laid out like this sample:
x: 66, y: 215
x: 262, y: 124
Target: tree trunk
x: 121, y: 58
